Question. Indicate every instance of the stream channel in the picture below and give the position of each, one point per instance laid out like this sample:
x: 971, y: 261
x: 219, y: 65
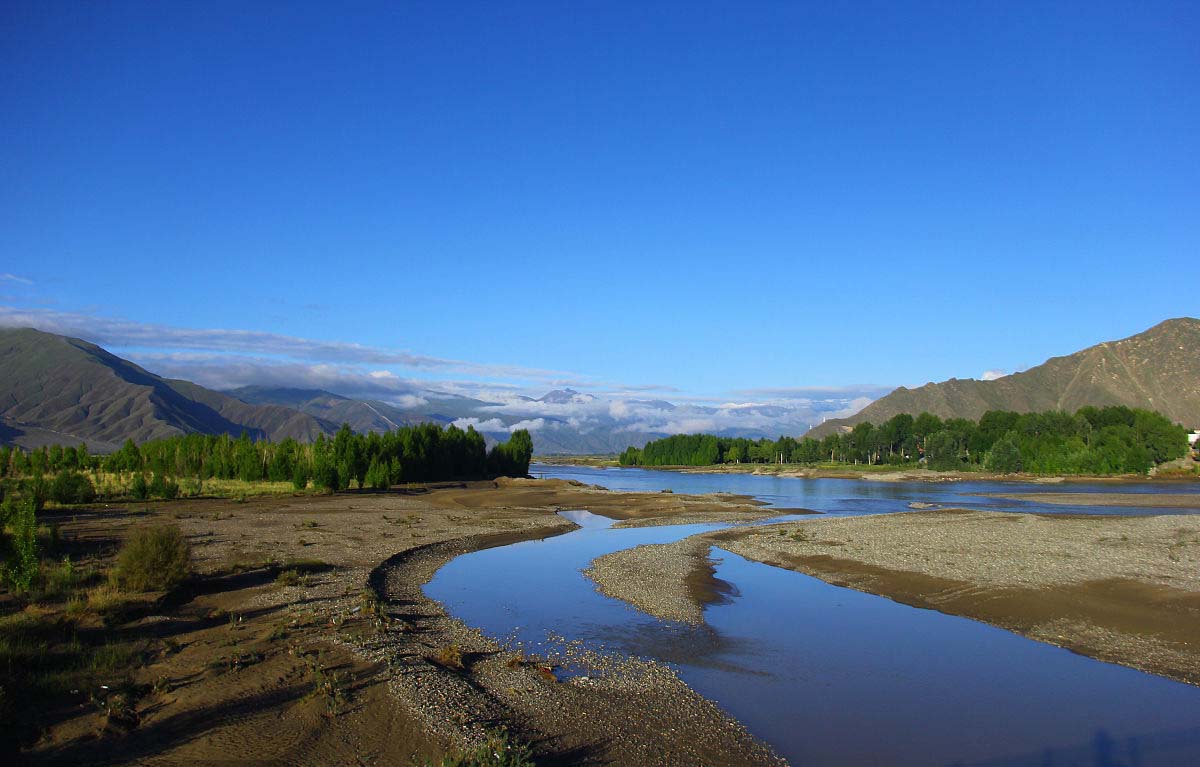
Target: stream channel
x: 828, y: 675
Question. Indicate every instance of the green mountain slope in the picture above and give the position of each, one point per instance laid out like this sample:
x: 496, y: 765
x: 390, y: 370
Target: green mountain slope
x: 1158, y: 369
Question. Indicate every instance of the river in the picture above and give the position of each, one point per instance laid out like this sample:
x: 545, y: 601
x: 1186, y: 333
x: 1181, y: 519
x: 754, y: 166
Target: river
x: 828, y: 675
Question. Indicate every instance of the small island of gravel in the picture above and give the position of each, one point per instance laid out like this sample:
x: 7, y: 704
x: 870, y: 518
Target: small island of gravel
x: 671, y: 581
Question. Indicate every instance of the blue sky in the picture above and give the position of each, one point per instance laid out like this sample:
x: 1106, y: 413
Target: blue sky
x: 699, y: 200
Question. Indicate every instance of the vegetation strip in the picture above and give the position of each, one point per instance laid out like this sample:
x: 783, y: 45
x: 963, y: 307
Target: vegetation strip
x: 1105, y: 440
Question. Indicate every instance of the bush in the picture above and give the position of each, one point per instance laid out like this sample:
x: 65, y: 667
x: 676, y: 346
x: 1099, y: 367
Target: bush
x: 153, y: 559
x: 299, y: 477
x: 161, y: 487
x: 21, y: 555
x: 72, y: 487
x: 500, y: 750
x: 139, y: 489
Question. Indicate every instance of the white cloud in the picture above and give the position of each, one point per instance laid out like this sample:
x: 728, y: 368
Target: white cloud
x: 226, y: 359
x: 532, y: 425
x: 407, y: 401
x: 127, y: 334
x: 490, y: 425
x: 7, y: 277
x: 992, y: 375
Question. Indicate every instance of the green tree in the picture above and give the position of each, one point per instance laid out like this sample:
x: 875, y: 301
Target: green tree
x: 1005, y: 456
x: 942, y: 451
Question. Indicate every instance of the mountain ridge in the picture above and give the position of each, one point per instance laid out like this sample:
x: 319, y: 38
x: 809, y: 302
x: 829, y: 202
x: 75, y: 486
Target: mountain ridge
x: 1157, y: 369
x: 58, y: 388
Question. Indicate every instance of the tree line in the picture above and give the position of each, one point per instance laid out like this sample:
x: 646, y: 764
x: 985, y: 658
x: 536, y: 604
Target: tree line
x: 1105, y: 440
x: 421, y: 453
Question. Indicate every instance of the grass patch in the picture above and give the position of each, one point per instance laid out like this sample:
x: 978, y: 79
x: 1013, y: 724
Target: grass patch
x: 499, y: 750
x: 329, y: 685
x: 449, y: 656
x: 47, y: 660
x: 291, y: 577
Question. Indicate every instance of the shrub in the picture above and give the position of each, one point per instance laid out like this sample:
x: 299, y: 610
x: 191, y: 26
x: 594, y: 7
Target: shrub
x: 299, y: 477
x: 72, y: 487
x: 21, y: 560
x: 500, y: 750
x: 153, y: 559
x: 139, y: 489
x: 161, y: 487
x: 449, y: 656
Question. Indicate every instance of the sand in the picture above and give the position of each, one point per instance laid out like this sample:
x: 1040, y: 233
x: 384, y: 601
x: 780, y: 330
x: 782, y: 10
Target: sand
x: 230, y: 667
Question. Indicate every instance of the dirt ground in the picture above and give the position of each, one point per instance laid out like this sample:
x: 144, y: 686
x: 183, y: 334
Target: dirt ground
x: 298, y: 640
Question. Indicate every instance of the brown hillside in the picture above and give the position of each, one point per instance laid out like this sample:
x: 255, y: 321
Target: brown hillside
x: 1158, y: 369
x: 72, y: 390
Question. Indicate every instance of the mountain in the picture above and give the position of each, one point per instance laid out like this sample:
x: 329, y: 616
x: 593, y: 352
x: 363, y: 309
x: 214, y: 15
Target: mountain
x: 564, y: 397
x: 362, y: 415
x: 1158, y: 369
x: 59, y: 389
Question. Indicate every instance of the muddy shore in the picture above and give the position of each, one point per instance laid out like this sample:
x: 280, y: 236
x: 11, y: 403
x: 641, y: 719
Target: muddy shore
x: 349, y: 663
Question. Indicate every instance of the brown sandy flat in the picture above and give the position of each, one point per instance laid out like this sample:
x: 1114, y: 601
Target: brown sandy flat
x: 227, y: 677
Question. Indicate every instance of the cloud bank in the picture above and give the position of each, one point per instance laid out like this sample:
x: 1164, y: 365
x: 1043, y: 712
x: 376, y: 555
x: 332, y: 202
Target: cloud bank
x: 494, y: 398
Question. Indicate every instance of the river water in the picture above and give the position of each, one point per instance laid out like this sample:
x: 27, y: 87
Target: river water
x: 828, y: 675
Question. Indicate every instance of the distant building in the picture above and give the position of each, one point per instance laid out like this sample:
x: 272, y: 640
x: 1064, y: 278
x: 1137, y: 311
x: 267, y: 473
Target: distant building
x: 1193, y: 437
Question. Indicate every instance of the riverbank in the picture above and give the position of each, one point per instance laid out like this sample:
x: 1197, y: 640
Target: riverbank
x: 278, y: 651
x: 1121, y: 589
x: 1143, y: 500
x: 881, y: 473
x: 610, y: 709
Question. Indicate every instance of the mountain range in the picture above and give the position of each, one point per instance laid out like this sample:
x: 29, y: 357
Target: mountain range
x: 57, y: 389
x: 1158, y: 369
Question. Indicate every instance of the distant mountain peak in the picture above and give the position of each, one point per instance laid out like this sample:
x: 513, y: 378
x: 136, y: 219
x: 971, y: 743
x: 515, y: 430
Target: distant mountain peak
x: 564, y: 396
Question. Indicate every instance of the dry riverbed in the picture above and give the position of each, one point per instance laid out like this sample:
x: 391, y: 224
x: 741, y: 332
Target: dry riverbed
x: 304, y: 637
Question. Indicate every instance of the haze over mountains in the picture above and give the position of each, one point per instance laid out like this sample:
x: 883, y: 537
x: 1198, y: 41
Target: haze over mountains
x: 1158, y: 369
x: 54, y: 388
